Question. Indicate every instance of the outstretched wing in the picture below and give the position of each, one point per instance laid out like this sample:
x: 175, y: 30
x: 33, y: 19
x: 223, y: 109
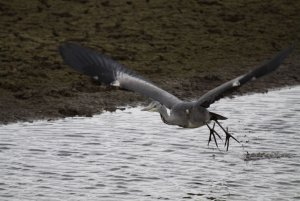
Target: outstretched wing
x: 108, y: 71
x: 215, y: 94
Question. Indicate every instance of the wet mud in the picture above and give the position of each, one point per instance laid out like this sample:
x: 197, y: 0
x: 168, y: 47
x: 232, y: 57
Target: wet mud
x: 186, y: 47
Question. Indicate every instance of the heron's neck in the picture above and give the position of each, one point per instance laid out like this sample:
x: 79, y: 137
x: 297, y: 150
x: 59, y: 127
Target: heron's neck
x: 164, y: 115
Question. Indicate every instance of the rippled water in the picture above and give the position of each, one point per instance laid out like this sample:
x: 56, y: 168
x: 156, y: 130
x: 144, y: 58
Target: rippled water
x: 132, y: 155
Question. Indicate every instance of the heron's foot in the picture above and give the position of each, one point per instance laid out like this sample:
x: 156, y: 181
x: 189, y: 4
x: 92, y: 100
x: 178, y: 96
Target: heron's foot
x: 213, y: 133
x: 228, y: 136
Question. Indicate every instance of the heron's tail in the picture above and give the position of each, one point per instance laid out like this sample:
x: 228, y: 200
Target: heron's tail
x: 214, y: 116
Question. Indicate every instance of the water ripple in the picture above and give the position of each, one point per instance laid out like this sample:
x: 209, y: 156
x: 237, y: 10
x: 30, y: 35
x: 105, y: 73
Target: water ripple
x: 132, y: 155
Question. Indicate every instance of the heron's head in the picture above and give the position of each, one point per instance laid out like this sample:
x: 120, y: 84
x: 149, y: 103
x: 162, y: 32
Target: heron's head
x: 153, y: 107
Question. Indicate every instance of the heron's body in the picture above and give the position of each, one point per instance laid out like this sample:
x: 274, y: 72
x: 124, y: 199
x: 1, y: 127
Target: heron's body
x: 184, y: 114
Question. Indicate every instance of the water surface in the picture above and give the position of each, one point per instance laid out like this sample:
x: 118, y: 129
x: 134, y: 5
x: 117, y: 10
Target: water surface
x: 132, y: 155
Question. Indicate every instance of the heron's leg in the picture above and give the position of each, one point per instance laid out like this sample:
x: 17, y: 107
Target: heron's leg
x: 212, y: 132
x: 228, y: 135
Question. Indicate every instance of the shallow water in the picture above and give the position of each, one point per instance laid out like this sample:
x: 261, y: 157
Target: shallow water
x: 132, y: 155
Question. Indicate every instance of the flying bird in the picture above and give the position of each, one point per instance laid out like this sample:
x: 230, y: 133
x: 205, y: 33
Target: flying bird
x: 173, y: 111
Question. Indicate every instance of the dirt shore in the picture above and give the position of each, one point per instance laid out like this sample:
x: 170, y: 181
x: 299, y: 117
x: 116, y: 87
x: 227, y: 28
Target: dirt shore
x: 186, y: 47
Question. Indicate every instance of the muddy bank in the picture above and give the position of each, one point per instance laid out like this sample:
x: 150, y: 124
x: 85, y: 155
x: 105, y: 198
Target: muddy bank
x: 186, y: 47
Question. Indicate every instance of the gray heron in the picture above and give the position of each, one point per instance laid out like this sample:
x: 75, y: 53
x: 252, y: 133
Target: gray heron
x: 185, y: 114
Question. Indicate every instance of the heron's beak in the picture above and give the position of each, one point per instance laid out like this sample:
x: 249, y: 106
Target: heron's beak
x: 150, y: 108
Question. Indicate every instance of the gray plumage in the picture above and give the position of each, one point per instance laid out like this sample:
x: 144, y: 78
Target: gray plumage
x: 185, y: 114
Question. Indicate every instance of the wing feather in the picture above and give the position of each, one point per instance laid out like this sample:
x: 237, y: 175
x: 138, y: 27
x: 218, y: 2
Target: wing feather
x: 108, y: 71
x: 215, y: 94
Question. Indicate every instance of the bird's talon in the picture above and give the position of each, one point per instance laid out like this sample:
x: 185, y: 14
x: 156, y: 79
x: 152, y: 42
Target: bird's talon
x: 212, y: 132
x: 228, y: 136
